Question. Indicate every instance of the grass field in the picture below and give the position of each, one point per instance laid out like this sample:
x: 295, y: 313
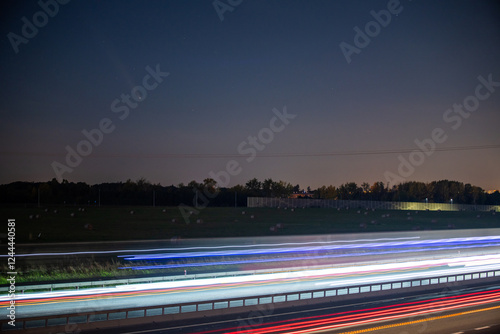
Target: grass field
x: 146, y: 223
x: 65, y: 224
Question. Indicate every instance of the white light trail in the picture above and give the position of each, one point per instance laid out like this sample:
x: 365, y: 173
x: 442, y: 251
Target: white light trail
x: 378, y: 273
x: 209, y: 247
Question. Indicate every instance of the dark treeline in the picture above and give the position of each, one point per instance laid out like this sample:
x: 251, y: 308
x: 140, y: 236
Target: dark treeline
x: 206, y: 193
x: 412, y: 191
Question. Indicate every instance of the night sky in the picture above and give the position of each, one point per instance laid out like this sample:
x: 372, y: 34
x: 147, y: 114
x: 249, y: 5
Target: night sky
x: 339, y: 116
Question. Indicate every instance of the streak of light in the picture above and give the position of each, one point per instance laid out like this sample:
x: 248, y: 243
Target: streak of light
x: 298, y: 258
x: 468, y: 264
x: 207, y: 247
x: 419, y: 243
x: 379, y: 314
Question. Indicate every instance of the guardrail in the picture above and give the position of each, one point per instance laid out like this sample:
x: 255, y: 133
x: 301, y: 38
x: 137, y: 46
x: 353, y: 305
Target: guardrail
x: 122, y: 281
x: 108, y: 318
x: 127, y: 281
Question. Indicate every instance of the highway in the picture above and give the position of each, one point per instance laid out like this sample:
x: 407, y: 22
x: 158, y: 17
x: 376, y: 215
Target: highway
x: 387, y: 317
x: 468, y: 310
x: 70, y: 251
x: 354, y: 261
x: 138, y: 295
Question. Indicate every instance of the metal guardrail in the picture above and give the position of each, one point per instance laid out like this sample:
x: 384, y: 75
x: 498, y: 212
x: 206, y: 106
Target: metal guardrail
x: 127, y: 281
x: 75, y: 319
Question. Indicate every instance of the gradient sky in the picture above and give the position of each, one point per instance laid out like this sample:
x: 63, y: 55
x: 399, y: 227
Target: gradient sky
x: 354, y: 121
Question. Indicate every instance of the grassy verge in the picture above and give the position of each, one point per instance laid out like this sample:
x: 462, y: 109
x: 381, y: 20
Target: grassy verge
x: 82, y: 270
x: 66, y: 224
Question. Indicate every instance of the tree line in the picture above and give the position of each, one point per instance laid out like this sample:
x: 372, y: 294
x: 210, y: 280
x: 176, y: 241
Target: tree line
x: 142, y: 192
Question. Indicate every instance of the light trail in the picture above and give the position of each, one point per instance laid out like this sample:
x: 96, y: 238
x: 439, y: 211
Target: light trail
x: 373, y: 315
x: 269, y: 251
x: 287, y: 259
x: 433, y: 257
x: 205, y: 247
x: 357, y: 274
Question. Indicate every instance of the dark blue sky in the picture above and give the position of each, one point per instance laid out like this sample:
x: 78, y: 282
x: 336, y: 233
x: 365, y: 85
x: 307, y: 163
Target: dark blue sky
x: 225, y: 78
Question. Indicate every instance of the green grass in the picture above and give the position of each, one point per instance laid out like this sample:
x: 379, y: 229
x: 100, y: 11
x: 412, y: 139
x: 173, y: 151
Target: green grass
x: 147, y: 223
x: 83, y: 270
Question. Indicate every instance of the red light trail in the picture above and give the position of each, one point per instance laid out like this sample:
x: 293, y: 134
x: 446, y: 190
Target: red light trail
x: 346, y: 319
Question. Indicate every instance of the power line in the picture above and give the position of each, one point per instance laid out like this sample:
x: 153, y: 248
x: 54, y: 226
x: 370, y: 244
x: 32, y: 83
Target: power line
x: 259, y: 155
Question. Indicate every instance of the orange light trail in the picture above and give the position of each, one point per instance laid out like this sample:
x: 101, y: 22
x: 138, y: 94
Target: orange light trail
x: 149, y: 292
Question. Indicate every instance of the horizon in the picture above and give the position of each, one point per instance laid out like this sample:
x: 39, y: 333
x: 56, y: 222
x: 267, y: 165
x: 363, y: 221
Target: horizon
x: 301, y: 187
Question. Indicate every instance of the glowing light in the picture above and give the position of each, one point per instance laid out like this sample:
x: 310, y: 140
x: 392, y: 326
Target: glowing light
x: 204, y: 247
x: 297, y: 258
x: 419, y: 243
x: 374, y: 273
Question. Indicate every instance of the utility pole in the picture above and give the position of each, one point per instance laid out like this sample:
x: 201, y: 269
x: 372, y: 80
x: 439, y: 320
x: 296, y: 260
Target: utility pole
x: 154, y: 199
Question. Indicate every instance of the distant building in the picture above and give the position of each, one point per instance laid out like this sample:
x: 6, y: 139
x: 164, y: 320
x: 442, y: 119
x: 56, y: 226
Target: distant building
x: 302, y: 195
